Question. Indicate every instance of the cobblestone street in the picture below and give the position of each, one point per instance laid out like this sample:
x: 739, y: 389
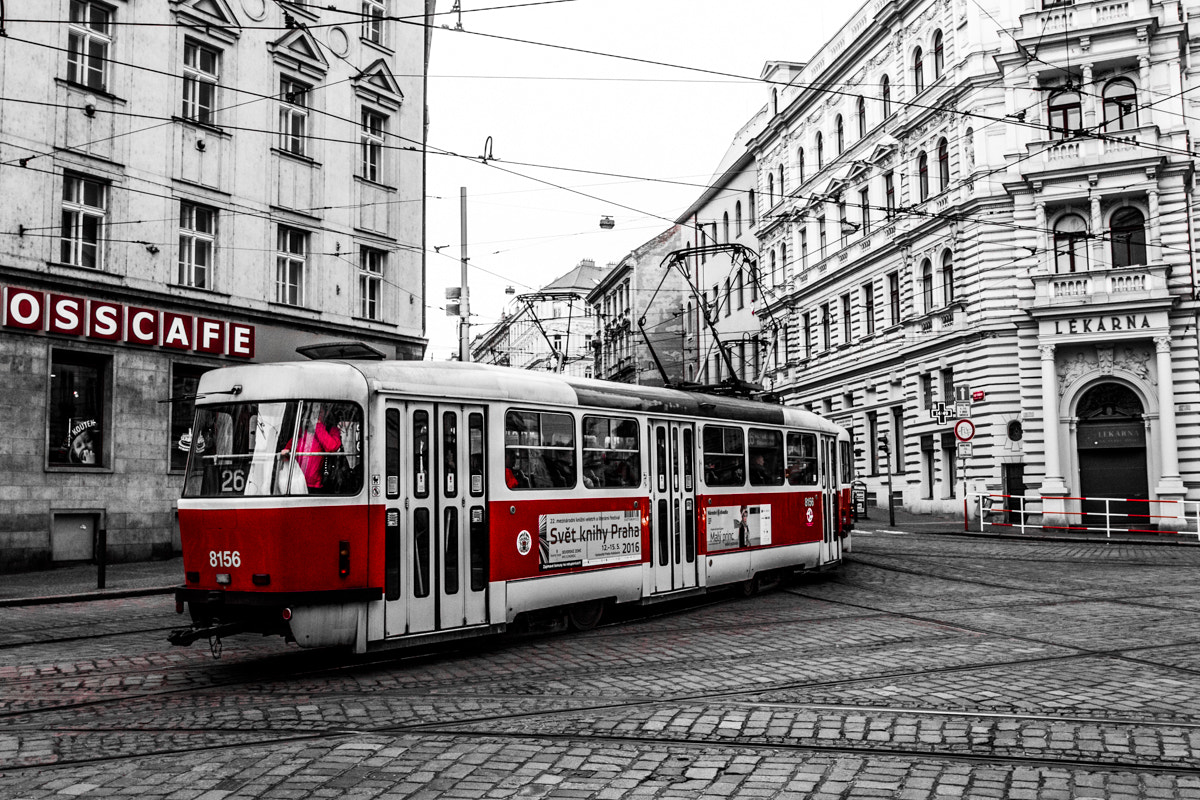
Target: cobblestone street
x: 927, y: 667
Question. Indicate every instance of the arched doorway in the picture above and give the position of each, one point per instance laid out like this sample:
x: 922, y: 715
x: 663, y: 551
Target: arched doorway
x: 1111, y: 440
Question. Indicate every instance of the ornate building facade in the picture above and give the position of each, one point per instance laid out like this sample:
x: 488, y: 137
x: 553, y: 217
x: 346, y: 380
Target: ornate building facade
x: 190, y: 184
x: 987, y: 214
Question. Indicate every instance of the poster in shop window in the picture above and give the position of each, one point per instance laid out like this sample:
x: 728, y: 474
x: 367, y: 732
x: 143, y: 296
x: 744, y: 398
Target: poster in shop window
x: 730, y: 527
x: 585, y: 540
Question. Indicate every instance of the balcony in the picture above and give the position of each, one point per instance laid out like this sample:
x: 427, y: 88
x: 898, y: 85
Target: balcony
x: 1125, y: 286
x: 1079, y: 16
x: 950, y: 319
x: 1088, y: 152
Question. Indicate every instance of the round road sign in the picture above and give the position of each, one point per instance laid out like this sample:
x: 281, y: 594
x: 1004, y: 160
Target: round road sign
x: 964, y: 430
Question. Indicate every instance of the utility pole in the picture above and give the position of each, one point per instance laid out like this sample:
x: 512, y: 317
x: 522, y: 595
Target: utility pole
x: 464, y: 309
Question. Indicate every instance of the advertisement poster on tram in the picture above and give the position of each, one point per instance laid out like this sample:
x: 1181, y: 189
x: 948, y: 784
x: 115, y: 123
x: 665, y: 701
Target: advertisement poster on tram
x: 584, y: 540
x: 730, y: 527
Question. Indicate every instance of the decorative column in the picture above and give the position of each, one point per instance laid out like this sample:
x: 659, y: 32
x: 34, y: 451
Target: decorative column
x: 1144, y: 87
x: 1053, y: 487
x: 1035, y: 108
x: 1096, y: 228
x: 1089, y: 100
x: 1045, y: 257
x: 1154, y: 229
x: 1170, y: 483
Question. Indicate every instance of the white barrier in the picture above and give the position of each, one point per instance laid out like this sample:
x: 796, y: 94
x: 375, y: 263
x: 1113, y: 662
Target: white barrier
x: 1068, y: 514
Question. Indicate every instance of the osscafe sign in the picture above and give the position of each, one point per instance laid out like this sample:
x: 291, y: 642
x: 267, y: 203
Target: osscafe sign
x: 115, y: 322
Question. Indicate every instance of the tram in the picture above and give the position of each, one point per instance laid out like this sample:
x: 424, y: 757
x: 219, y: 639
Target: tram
x: 380, y: 504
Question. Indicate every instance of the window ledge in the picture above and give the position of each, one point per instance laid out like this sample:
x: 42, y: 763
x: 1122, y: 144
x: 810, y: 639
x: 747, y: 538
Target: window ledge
x: 200, y: 290
x: 207, y: 127
x: 383, y: 48
x: 290, y: 307
x: 380, y: 322
x: 297, y: 157
x: 376, y: 184
x: 79, y: 469
x: 100, y: 93
x: 89, y: 270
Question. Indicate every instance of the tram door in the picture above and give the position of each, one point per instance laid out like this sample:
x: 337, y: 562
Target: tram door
x: 830, y: 543
x: 436, y: 556
x: 673, y: 505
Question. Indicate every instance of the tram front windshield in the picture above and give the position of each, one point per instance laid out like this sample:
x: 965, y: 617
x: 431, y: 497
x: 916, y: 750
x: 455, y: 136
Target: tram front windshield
x: 294, y: 447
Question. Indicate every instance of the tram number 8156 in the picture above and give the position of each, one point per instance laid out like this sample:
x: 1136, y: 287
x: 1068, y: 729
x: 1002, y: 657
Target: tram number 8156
x: 224, y: 558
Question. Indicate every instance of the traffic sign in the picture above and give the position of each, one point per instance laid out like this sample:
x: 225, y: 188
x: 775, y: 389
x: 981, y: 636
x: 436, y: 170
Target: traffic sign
x: 965, y: 449
x: 962, y: 393
x: 964, y: 430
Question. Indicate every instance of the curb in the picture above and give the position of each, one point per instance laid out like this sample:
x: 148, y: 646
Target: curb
x: 1045, y: 537
x: 83, y: 597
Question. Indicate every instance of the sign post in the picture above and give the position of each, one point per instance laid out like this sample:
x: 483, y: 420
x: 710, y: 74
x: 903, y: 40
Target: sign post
x: 964, y: 432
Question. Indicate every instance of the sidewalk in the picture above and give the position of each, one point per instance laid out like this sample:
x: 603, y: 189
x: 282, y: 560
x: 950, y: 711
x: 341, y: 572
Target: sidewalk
x: 77, y: 582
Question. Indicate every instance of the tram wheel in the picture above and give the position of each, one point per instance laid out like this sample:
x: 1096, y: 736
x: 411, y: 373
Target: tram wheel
x: 585, y: 616
x: 751, y: 587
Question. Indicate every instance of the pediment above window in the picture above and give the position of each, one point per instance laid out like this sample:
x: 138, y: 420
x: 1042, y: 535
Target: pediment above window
x: 298, y: 50
x: 379, y: 84
x: 215, y: 16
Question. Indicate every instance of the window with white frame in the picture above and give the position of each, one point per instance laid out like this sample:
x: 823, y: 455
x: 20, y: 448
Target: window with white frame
x: 85, y: 205
x: 201, y: 72
x: 293, y: 116
x: 373, y: 12
x: 373, y: 126
x: 291, y: 260
x: 197, y: 244
x: 89, y: 42
x: 371, y: 264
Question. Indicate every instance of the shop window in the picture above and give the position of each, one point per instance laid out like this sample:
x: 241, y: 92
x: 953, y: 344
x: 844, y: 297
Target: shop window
x: 1128, y: 237
x: 79, y: 410
x: 185, y: 382
x: 539, y: 450
x: 724, y: 456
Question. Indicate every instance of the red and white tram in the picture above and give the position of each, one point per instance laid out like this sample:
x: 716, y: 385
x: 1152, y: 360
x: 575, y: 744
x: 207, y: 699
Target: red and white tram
x: 376, y: 504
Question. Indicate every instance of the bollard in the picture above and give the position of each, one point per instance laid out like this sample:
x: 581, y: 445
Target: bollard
x: 101, y: 556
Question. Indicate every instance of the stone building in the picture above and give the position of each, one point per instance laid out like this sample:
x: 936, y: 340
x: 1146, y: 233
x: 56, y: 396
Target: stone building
x: 189, y: 184
x: 987, y: 214
x: 643, y: 285
x: 550, y: 329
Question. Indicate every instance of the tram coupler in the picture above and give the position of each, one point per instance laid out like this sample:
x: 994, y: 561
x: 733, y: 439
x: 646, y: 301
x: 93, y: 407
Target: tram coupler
x: 185, y: 636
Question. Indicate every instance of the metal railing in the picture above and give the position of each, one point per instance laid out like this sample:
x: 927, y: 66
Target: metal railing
x: 1038, y: 514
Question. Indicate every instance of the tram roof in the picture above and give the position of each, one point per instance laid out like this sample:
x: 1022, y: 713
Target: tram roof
x: 485, y: 382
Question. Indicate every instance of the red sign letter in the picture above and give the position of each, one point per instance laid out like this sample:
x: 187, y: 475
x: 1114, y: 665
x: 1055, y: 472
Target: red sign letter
x: 24, y: 309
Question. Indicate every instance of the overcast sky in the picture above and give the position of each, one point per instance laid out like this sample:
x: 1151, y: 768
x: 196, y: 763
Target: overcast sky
x: 572, y: 114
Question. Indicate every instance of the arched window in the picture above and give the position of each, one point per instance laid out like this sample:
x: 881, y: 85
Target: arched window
x: 862, y: 117
x: 774, y: 101
x: 782, y: 191
x: 947, y: 278
x: 927, y: 284
x: 800, y: 163
x: 725, y: 227
x: 820, y: 151
x: 885, y: 95
x: 737, y: 218
x: 943, y: 155
x: 1128, y: 234
x: 782, y: 263
x: 918, y: 71
x: 1070, y: 244
x: 753, y: 210
x: 770, y: 189
x: 774, y: 266
x: 939, y: 55
x: 923, y: 175
x: 840, y: 130
x: 1120, y: 105
x: 1065, y: 115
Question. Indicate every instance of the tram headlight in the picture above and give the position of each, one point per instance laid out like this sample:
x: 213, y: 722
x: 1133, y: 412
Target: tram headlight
x: 224, y: 578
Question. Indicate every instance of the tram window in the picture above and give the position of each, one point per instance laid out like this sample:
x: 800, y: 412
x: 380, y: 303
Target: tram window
x: 450, y: 557
x: 421, y: 552
x: 766, y: 457
x: 688, y: 460
x: 847, y: 464
x: 420, y: 434
x: 475, y: 452
x: 450, y: 453
x: 284, y: 448
x: 660, y: 456
x: 611, y: 453
x: 479, y: 550
x: 392, y: 454
x: 539, y: 450
x: 724, y: 456
x: 801, y: 459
